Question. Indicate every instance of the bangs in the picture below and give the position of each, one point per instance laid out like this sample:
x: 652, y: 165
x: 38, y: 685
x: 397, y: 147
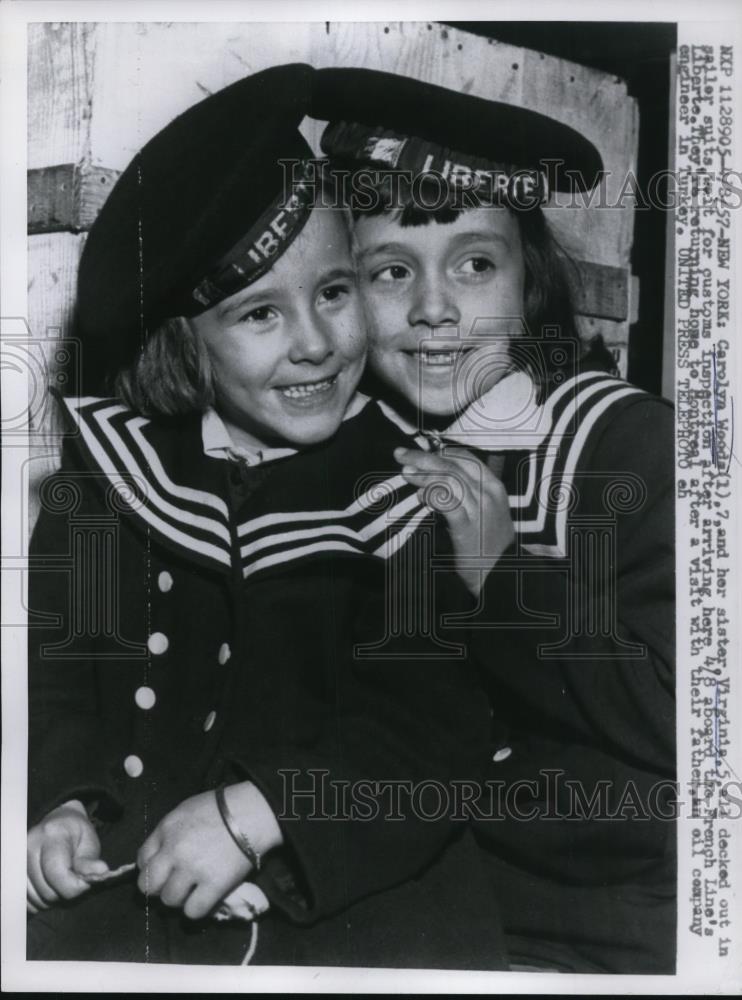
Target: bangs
x: 417, y: 201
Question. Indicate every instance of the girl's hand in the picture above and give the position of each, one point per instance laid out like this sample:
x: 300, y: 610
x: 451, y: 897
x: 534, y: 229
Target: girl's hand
x: 62, y: 850
x: 191, y: 861
x: 473, y: 501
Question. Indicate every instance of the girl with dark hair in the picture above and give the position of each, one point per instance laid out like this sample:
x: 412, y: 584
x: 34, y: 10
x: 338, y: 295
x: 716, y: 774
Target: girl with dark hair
x: 559, y: 497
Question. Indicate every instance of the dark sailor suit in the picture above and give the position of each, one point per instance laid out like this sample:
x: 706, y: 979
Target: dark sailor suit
x: 575, y: 635
x: 196, y: 622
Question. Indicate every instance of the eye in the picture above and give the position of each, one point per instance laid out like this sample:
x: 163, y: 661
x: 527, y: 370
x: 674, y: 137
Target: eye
x: 259, y: 315
x: 334, y: 293
x: 477, y: 265
x: 392, y: 272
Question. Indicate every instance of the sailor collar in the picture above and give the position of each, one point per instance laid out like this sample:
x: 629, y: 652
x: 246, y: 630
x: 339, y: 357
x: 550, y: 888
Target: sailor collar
x: 177, y: 494
x: 551, y: 439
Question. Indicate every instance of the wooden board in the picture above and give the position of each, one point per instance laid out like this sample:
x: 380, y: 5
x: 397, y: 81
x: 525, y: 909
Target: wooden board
x: 67, y: 197
x: 60, y: 87
x: 52, y: 272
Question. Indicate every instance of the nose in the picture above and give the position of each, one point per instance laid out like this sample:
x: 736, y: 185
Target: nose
x: 432, y: 303
x: 310, y: 341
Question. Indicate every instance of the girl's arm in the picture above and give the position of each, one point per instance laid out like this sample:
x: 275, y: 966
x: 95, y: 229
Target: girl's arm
x: 605, y: 667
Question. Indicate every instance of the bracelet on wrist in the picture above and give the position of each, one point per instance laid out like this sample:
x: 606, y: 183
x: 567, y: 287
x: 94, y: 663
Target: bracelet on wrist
x: 234, y: 831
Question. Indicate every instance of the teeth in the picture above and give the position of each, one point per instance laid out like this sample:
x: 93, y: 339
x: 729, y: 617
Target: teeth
x: 437, y: 357
x: 305, y: 389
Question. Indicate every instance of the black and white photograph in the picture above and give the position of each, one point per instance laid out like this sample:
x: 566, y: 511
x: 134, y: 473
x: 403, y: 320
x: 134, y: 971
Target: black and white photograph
x: 370, y: 556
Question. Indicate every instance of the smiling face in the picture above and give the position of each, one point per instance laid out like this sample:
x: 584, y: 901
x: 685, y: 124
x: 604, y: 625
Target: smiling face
x: 442, y: 301
x: 287, y: 351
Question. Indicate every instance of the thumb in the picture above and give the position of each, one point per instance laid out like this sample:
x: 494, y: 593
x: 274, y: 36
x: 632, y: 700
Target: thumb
x: 86, y: 866
x: 87, y: 848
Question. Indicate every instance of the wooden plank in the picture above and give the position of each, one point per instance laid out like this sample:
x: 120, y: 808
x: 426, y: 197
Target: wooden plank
x: 598, y: 106
x: 602, y: 291
x: 426, y: 51
x: 60, y: 87
x: 51, y: 199
x: 53, y: 259
x: 93, y: 187
x: 147, y: 73
x: 67, y: 197
x: 614, y: 335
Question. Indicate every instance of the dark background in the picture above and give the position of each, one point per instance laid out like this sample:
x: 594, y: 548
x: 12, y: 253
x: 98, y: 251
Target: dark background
x: 639, y: 53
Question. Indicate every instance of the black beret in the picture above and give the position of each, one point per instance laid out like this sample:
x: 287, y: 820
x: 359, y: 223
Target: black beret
x: 157, y: 248
x: 461, y: 125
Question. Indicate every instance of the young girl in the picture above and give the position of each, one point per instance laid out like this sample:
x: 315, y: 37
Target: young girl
x: 563, y: 525
x: 216, y: 694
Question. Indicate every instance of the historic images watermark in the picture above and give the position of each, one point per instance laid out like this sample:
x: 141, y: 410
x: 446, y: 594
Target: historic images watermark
x: 548, y: 796
x: 459, y: 186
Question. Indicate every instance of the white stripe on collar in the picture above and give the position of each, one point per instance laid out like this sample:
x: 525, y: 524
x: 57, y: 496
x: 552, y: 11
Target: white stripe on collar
x: 217, y: 442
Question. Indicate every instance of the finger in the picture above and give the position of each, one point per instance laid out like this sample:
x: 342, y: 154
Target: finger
x: 449, y: 494
x: 458, y: 451
x: 424, y: 461
x: 177, y: 889
x: 149, y: 848
x: 154, y: 874
x: 475, y: 483
x: 89, y: 866
x: 56, y: 862
x: 37, y: 879
x: 88, y: 845
x: 437, y: 497
x: 34, y: 902
x: 450, y: 478
x: 465, y: 462
x: 44, y: 892
x: 404, y: 455
x: 451, y: 453
x: 455, y: 478
x: 201, y: 902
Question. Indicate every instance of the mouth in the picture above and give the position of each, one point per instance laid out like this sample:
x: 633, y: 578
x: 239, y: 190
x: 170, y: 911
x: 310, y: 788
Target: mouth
x: 438, y: 357
x: 305, y: 391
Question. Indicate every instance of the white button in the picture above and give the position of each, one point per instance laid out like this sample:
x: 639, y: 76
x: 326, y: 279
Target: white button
x: 224, y: 653
x: 133, y: 766
x: 145, y: 697
x: 502, y: 754
x: 209, y: 721
x: 165, y: 582
x: 158, y: 643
